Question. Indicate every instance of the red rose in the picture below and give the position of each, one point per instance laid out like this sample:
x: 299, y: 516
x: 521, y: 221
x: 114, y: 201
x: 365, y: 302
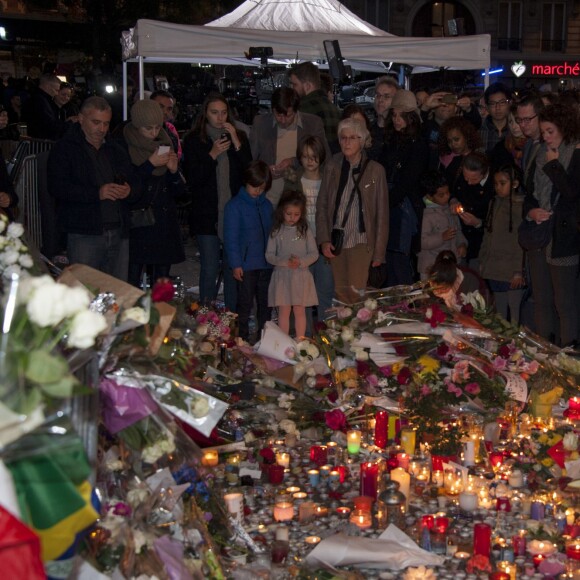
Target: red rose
x: 336, y: 420
x: 332, y: 396
x: 163, y: 290
x: 442, y: 350
x: 434, y: 316
x: 267, y: 455
x: 467, y: 309
x: 362, y: 368
x: 320, y: 326
x: 404, y: 376
x: 504, y: 351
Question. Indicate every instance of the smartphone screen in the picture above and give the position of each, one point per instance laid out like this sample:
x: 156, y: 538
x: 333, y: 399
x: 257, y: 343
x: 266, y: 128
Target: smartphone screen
x: 163, y: 149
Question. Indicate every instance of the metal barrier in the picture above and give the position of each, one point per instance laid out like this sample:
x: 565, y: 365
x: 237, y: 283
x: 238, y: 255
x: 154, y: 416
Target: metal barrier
x: 26, y: 147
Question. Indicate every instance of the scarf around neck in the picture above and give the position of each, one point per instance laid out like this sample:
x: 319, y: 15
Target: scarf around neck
x: 141, y: 148
x: 542, y: 183
x: 223, y: 179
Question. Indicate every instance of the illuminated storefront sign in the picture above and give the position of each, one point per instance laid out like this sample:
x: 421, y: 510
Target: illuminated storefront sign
x: 562, y: 69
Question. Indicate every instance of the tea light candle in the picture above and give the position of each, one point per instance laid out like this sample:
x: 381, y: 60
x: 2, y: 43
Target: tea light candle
x: 283, y: 459
x: 292, y: 489
x: 210, y: 457
x: 361, y: 519
x: 300, y: 495
x: 312, y: 540
x: 321, y: 511
x: 314, y: 477
x: 468, y: 501
x: 403, y: 460
x: 343, y: 511
x: 353, y: 440
x: 283, y: 511
x: 437, y: 478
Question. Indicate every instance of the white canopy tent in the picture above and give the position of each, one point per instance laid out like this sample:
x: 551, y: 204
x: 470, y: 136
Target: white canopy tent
x: 154, y: 41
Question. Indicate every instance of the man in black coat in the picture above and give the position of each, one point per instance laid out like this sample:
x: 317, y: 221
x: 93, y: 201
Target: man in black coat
x: 41, y: 112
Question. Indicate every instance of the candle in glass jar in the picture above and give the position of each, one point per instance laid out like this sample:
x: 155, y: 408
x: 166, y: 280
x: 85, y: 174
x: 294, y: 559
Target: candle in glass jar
x: 321, y: 511
x: 325, y: 471
x: 519, y: 543
x: 468, y: 501
x: 537, y: 510
x: 283, y: 459
x: 408, y: 440
x: 381, y: 429
x: 573, y: 549
x: 369, y: 478
x: 574, y: 404
x: 363, y: 502
x: 282, y: 534
x: 437, y: 478
x: 481, y: 539
x: 306, y: 511
x: 235, y: 505
x: 403, y: 460
x: 353, y: 440
x: 210, y: 457
x: 314, y: 477
x: 343, y: 473
x: 334, y: 476
x: 361, y: 519
x: 404, y: 479
x: 343, y: 511
x: 276, y: 474
x: 283, y: 511
x: 319, y: 454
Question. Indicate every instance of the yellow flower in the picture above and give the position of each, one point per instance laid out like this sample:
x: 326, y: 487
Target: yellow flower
x: 554, y: 439
x: 397, y: 367
x: 547, y: 462
x: 543, y: 439
x: 574, y: 455
x: 428, y: 365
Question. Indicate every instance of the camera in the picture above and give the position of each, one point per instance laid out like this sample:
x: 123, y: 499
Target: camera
x: 449, y: 99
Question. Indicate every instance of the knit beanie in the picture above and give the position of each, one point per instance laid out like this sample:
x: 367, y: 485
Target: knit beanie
x: 146, y: 113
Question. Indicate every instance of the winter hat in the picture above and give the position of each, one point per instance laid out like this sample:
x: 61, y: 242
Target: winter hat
x: 146, y: 113
x: 406, y: 101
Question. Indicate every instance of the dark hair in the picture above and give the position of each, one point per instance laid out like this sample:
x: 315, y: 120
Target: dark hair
x: 515, y: 174
x: 353, y: 109
x: 200, y: 127
x: 444, y: 269
x: 306, y: 72
x: 465, y: 127
x: 531, y: 99
x: 476, y: 161
x: 412, y: 130
x: 326, y: 82
x: 564, y: 117
x: 431, y: 181
x: 257, y: 173
x: 284, y: 98
x: 65, y: 85
x: 161, y: 93
x: 496, y: 88
x: 290, y: 198
x: 315, y: 143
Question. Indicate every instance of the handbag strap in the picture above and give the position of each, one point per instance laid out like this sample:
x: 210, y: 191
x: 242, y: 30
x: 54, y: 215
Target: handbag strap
x: 355, y: 191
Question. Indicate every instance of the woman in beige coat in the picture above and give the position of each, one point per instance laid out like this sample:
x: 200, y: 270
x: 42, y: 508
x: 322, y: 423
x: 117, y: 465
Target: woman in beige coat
x: 353, y: 201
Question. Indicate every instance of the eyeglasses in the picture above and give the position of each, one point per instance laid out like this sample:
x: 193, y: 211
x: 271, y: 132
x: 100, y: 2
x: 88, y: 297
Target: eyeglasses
x: 525, y: 120
x: 501, y: 103
x: 383, y: 97
x: 347, y: 138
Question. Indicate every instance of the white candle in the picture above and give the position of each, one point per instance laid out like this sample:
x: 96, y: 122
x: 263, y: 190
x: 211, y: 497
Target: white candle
x: 235, y: 505
x: 282, y: 534
x: 516, y: 478
x: 404, y: 479
x: 469, y: 452
x: 468, y: 501
x: 283, y: 459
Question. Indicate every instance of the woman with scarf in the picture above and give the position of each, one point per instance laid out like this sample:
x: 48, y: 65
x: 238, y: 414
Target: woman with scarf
x: 556, y: 197
x: 215, y: 155
x: 153, y: 248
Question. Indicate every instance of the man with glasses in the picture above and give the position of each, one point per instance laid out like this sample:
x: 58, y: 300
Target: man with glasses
x: 527, y: 118
x: 274, y: 137
x: 385, y: 89
x: 495, y: 126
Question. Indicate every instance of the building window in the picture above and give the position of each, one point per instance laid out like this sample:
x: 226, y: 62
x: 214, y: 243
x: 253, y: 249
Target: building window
x: 509, y: 36
x: 553, y: 26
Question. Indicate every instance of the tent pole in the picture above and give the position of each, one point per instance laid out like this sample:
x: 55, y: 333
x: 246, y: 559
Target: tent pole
x: 125, y: 95
x: 486, y: 78
x: 141, y: 78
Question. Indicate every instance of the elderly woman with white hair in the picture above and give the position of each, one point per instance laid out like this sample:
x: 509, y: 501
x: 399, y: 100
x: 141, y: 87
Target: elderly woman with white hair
x: 352, y: 212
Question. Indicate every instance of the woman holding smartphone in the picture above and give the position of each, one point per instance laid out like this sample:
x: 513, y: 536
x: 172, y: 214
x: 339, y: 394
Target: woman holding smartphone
x: 215, y: 155
x: 153, y: 247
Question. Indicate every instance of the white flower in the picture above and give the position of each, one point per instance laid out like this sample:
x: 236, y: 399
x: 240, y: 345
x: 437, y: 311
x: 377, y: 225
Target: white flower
x: 312, y: 350
x: 10, y: 256
x: 85, y: 327
x: 202, y: 330
x: 571, y: 441
x: 30, y: 285
x: 136, y: 314
x: 25, y: 261
x: 14, y: 269
x: 371, y: 304
x: 200, y: 407
x: 361, y: 354
x: 343, y: 312
x: 15, y: 230
x: 46, y: 305
x: 206, y: 347
x: 139, y: 539
x: 347, y: 334
x: 288, y: 426
x: 311, y: 381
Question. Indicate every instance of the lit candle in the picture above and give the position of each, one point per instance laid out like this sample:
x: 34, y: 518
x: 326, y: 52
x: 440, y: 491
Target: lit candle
x: 516, y: 478
x: 343, y: 511
x: 233, y: 460
x: 235, y: 505
x: 343, y: 472
x: 353, y: 439
x: 210, y: 457
x: 292, y: 489
x: 363, y: 503
x: 361, y: 519
x: 408, y: 440
x: 573, y: 549
x: 519, y: 543
x: 321, y: 511
x: 283, y: 511
x: 312, y: 540
x: 276, y: 474
x: 283, y: 459
x: 334, y: 476
x: 570, y: 516
x: 414, y: 468
x: 538, y: 510
x: 403, y: 460
x: 468, y: 501
x: 325, y: 470
x: 381, y: 429
x: 496, y: 459
x: 437, y: 478
x: 300, y: 495
x: 306, y: 511
x: 404, y: 479
x: 314, y: 477
x: 469, y: 452
x: 369, y: 479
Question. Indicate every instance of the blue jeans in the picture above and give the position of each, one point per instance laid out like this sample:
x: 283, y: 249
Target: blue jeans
x: 210, y: 258
x: 321, y: 271
x: 108, y: 252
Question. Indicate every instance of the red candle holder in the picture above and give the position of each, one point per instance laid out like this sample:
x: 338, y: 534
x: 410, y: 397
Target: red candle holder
x: 427, y: 521
x: 276, y: 474
x: 363, y: 503
x: 538, y: 559
x: 343, y: 473
x: 503, y: 504
x: 519, y: 544
x: 481, y: 539
x: 369, y: 479
x: 496, y: 458
x: 319, y: 454
x: 573, y: 549
x: 499, y: 576
x: 441, y: 524
x: 381, y: 429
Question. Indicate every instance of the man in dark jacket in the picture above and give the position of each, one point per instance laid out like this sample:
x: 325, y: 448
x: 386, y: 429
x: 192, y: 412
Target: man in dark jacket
x: 41, y: 113
x: 92, y: 180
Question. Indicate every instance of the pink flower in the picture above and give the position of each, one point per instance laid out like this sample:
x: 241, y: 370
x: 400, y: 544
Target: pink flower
x: 201, y: 319
x: 533, y: 367
x: 499, y: 364
x: 372, y: 380
x: 387, y: 370
x: 454, y: 389
x: 290, y: 352
x: 472, y: 388
x: 460, y: 372
x: 426, y: 390
x: 364, y: 315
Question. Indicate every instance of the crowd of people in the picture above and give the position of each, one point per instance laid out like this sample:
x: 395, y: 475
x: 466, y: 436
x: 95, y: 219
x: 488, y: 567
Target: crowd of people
x: 311, y: 203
